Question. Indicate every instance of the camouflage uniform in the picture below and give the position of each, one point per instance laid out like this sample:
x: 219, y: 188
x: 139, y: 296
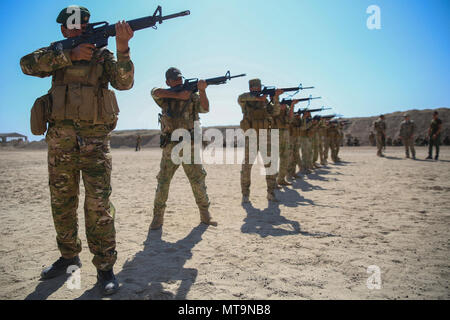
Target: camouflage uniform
x: 340, y: 140
x: 294, y: 148
x: 257, y: 115
x: 83, y: 114
x: 282, y: 122
x: 407, y: 129
x: 315, y: 143
x: 380, y: 128
x: 322, y: 132
x: 179, y: 114
x: 305, y: 143
x: 333, y: 138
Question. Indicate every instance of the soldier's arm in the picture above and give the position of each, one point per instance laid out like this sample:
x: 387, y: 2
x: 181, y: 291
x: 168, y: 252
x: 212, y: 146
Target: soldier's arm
x: 204, y: 102
x: 275, y: 106
x: 199, y: 105
x: 43, y: 62
x: 119, y: 73
x: 243, y: 98
x: 159, y: 100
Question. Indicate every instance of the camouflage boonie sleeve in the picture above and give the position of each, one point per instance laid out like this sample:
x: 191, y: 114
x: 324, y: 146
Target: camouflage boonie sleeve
x: 119, y: 73
x: 43, y: 62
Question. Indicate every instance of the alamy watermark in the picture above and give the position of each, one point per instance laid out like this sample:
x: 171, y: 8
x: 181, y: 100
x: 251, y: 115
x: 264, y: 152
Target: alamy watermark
x: 221, y: 150
x: 374, y: 20
x: 74, y: 20
x: 374, y: 281
x: 74, y: 280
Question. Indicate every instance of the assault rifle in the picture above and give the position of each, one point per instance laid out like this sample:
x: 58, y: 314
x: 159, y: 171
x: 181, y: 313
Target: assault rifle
x: 271, y: 90
x: 289, y: 101
x: 326, y: 117
x: 303, y: 111
x: 98, y: 33
x: 192, y: 84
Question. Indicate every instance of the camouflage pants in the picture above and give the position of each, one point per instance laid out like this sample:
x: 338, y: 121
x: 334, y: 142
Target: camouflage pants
x: 246, y: 171
x: 306, y: 147
x: 284, y: 154
x: 321, y: 149
x: 73, y: 148
x: 334, y: 146
x: 294, y: 155
x: 326, y: 147
x: 315, y: 147
x: 195, y: 173
x: 380, y: 144
x: 409, y: 145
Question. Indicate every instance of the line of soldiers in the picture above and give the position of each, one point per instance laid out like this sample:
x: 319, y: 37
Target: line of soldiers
x: 303, y: 139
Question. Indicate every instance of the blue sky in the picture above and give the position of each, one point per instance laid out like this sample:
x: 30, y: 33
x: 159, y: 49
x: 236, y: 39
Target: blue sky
x: 321, y: 43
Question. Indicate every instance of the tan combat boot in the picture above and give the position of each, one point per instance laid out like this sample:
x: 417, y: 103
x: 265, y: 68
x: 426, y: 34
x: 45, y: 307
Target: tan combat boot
x: 206, y: 218
x: 157, y: 222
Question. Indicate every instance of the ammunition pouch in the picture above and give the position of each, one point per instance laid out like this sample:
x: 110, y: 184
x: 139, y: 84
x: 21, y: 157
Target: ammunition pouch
x: 77, y: 94
x: 39, y: 115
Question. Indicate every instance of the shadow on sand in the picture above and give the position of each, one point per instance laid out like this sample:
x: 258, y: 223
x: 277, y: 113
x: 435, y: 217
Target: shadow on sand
x: 46, y: 288
x: 160, y: 262
x: 269, y: 222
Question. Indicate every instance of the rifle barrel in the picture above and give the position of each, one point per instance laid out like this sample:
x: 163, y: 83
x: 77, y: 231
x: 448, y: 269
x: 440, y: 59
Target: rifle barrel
x: 145, y: 22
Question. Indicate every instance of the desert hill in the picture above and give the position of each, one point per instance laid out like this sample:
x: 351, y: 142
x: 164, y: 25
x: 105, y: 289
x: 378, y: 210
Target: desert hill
x: 359, y: 128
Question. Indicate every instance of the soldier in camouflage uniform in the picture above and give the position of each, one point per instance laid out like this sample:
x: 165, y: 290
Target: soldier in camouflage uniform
x: 340, y: 138
x: 407, y: 130
x: 434, y: 134
x: 380, y: 129
x: 315, y: 141
x: 287, y: 141
x: 327, y: 142
x: 333, y: 138
x: 322, y: 130
x: 180, y: 109
x: 258, y: 113
x: 305, y: 142
x: 294, y: 147
x: 83, y: 113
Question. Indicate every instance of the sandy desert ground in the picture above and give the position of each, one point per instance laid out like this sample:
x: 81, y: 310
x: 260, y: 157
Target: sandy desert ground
x: 317, y: 243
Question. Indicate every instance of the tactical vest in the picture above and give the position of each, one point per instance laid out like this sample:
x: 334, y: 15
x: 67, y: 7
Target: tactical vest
x: 78, y: 94
x: 256, y: 116
x: 178, y: 114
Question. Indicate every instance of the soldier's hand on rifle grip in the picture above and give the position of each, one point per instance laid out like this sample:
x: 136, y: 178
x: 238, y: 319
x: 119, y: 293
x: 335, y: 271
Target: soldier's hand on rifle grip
x: 83, y: 52
x: 123, y: 35
x: 201, y: 85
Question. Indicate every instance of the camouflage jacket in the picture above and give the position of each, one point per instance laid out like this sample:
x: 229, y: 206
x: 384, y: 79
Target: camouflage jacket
x: 379, y: 126
x: 407, y: 128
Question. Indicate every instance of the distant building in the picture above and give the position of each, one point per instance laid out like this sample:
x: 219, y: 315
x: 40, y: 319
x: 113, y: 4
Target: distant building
x: 12, y: 136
